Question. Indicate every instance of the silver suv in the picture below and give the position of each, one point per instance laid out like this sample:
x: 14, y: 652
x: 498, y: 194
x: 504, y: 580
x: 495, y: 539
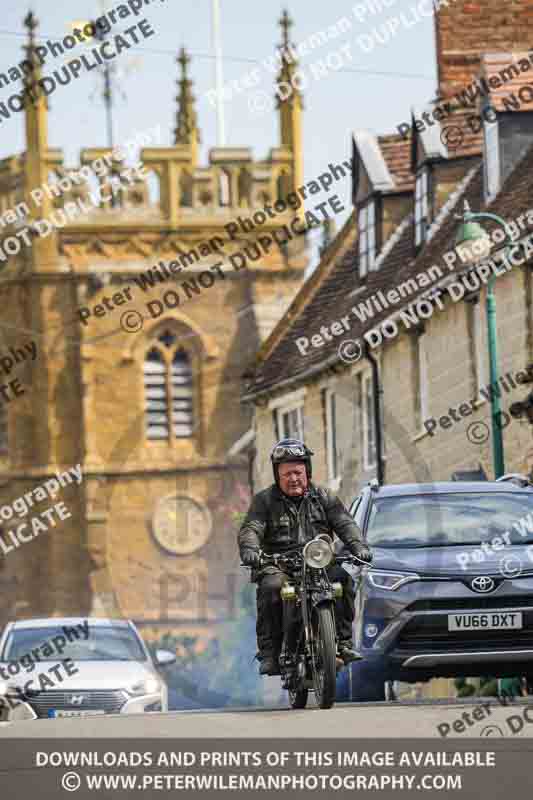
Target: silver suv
x: 75, y: 667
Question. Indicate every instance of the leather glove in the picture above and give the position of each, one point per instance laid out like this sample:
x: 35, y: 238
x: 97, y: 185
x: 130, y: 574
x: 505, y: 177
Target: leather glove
x: 251, y: 558
x: 363, y: 552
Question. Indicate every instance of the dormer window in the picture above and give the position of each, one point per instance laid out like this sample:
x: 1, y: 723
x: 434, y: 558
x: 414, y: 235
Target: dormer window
x: 491, y: 160
x: 421, y: 206
x: 367, y: 237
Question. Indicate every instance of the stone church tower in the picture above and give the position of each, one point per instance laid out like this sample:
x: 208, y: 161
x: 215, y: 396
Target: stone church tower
x: 145, y: 397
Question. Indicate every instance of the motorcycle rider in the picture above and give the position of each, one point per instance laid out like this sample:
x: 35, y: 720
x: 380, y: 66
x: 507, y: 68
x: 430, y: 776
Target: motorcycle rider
x: 292, y: 511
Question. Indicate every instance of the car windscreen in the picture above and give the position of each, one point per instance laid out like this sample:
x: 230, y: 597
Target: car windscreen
x: 451, y: 519
x: 89, y: 643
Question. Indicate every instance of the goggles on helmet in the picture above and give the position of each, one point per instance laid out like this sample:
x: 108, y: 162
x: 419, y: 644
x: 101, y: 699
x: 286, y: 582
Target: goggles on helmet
x: 284, y: 451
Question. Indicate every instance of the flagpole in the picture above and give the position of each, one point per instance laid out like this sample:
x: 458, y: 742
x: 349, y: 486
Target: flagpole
x: 217, y: 47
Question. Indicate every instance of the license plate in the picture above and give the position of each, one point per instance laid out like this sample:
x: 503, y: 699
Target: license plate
x: 490, y: 620
x: 60, y: 713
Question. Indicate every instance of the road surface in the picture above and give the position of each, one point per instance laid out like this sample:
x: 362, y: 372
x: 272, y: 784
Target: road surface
x: 483, y: 717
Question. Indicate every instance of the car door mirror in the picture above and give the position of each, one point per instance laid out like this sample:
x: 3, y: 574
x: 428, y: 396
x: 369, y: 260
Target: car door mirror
x: 163, y: 658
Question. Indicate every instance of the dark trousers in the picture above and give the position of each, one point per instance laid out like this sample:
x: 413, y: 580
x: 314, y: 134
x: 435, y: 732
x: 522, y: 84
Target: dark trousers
x: 270, y: 610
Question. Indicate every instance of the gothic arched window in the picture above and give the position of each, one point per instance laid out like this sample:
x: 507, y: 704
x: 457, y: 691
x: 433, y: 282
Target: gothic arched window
x: 168, y: 390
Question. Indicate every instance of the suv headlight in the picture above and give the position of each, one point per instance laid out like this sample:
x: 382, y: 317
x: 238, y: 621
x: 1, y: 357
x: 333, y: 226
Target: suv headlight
x: 146, y: 686
x: 390, y: 580
x: 318, y: 553
x: 6, y: 689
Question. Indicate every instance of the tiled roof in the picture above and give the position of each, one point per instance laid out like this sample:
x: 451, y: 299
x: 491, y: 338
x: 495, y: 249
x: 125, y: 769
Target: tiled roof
x: 461, y: 135
x: 396, y: 151
x: 470, y: 140
x: 335, y: 298
x: 335, y: 251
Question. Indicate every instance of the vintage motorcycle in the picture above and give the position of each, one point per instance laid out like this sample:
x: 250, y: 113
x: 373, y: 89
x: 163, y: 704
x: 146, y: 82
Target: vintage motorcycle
x: 308, y: 660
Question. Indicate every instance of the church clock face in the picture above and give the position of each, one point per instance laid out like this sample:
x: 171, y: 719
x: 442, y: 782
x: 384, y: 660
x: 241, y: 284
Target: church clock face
x: 181, y: 525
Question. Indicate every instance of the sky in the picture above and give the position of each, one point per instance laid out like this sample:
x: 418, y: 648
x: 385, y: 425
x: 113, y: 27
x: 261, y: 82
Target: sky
x: 370, y: 75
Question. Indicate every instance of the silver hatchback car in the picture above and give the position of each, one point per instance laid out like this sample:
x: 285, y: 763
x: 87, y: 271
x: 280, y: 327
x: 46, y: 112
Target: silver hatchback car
x: 75, y: 667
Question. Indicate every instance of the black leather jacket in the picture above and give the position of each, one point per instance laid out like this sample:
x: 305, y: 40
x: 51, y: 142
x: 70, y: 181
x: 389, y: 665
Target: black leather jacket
x: 274, y: 523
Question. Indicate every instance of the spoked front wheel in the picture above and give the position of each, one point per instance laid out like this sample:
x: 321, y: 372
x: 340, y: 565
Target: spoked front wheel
x: 324, y: 660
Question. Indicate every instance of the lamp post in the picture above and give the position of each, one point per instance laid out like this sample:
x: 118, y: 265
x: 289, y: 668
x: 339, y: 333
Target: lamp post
x: 475, y: 245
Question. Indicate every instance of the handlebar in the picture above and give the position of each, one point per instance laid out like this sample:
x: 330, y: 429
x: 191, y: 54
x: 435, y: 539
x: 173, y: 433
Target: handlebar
x: 272, y: 558
x: 355, y: 558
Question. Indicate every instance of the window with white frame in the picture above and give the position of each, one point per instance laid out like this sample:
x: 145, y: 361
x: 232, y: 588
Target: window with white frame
x: 366, y: 221
x: 291, y: 422
x: 421, y: 206
x: 491, y: 160
x: 369, y: 428
x: 422, y: 382
x: 3, y: 428
x: 332, y: 450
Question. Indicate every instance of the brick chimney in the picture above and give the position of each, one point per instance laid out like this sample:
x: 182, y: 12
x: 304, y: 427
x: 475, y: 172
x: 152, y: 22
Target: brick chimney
x: 467, y: 28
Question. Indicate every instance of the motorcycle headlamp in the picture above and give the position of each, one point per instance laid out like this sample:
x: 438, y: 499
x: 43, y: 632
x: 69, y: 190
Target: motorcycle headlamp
x: 318, y: 553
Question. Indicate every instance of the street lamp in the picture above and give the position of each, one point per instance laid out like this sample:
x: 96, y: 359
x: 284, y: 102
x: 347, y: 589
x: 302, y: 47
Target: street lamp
x: 474, y: 244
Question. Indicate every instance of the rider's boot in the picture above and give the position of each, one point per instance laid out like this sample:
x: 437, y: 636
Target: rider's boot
x: 268, y: 664
x: 348, y: 653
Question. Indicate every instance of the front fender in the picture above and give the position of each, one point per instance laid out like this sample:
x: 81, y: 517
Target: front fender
x: 322, y: 598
